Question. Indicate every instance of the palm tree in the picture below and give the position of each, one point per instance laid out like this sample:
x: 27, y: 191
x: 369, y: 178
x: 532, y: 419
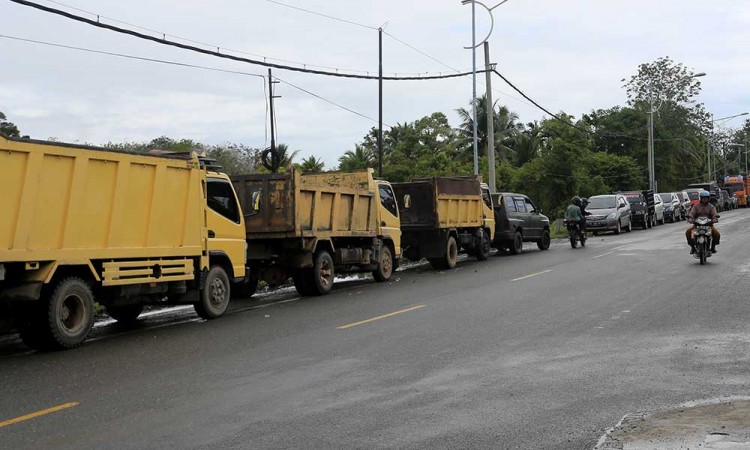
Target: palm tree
x: 311, y: 165
x: 286, y: 158
x: 527, y: 144
x: 506, y: 127
x: 360, y: 158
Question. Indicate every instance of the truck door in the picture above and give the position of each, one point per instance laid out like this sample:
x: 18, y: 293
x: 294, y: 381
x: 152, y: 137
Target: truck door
x: 390, y: 223
x: 488, y: 211
x: 225, y: 224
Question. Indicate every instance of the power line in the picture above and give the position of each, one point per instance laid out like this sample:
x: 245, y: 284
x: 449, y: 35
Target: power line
x: 218, y: 54
x: 330, y: 101
x: 350, y: 22
x: 193, y: 66
x: 123, y: 55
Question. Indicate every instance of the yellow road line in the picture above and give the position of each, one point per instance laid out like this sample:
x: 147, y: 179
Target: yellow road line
x: 38, y: 413
x: 532, y: 275
x: 395, y: 313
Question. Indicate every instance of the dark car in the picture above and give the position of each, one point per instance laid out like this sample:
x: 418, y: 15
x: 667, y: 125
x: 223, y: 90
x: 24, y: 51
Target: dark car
x: 517, y: 220
x: 642, y: 208
x: 723, y: 201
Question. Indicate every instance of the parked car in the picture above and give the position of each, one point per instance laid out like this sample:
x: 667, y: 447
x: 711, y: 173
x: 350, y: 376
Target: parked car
x: 641, y: 208
x: 608, y: 213
x: 659, y: 210
x: 712, y: 187
x: 517, y: 213
x: 731, y: 200
x: 672, y: 206
x: 694, y: 195
x: 723, y: 201
x: 686, y: 204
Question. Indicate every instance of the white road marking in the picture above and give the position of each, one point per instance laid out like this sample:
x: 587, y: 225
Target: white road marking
x: 605, y: 254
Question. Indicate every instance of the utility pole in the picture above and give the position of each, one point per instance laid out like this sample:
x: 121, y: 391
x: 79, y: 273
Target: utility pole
x: 270, y: 106
x: 474, y: 79
x: 275, y: 157
x: 490, y: 110
x: 708, y: 148
x: 380, y: 102
x: 651, y: 165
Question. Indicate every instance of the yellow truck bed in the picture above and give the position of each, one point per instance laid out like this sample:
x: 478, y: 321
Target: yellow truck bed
x: 439, y: 203
x: 327, y: 205
x: 64, y: 202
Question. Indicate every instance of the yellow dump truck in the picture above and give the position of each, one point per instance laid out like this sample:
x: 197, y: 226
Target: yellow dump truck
x: 312, y: 226
x: 441, y: 216
x: 80, y: 225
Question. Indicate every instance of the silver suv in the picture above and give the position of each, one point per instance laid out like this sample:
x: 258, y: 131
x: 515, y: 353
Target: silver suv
x: 608, y: 213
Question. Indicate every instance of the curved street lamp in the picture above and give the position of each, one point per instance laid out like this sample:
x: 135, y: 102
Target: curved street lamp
x: 473, y: 48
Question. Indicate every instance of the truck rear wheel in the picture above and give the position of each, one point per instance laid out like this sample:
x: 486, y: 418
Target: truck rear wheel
x: 385, y: 267
x: 125, y: 314
x: 302, y: 282
x: 449, y: 259
x: 64, y: 321
x: 214, y: 298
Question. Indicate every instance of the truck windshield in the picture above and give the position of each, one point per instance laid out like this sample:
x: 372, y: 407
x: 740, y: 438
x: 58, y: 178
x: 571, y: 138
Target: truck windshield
x: 735, y: 187
x: 607, y: 202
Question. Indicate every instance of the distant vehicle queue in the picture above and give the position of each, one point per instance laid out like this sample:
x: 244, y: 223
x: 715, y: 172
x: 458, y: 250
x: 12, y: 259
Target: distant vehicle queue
x: 86, y: 225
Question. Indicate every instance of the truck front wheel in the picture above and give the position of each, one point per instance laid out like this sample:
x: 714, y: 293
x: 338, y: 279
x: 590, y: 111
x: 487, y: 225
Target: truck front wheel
x: 385, y: 266
x: 322, y: 274
x: 483, y: 247
x: 214, y: 298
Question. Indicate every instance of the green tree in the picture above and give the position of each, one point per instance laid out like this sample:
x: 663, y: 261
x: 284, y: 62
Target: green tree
x: 311, y: 165
x: 505, y: 123
x: 359, y: 158
x: 8, y: 128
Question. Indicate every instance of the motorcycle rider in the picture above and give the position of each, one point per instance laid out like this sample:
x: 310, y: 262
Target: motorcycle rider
x: 573, y: 213
x: 704, y: 208
x: 583, y: 203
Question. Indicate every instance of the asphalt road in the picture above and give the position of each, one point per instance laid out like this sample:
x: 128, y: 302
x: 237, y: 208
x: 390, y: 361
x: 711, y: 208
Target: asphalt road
x: 545, y: 350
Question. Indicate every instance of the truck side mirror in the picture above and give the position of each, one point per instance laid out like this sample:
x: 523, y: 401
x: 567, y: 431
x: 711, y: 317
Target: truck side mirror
x: 407, y: 201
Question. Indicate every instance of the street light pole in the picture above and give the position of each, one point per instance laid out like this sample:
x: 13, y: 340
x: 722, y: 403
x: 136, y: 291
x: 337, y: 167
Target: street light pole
x: 473, y: 47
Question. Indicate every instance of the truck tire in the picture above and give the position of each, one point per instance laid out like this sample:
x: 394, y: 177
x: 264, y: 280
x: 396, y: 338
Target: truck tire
x: 125, y: 314
x: 64, y: 320
x: 545, y: 241
x: 385, y: 267
x: 215, y: 295
x: 322, y: 273
x: 449, y: 259
x: 516, y: 247
x: 483, y: 249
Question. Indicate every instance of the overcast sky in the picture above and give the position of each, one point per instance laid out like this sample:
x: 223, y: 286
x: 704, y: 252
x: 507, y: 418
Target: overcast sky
x: 568, y: 55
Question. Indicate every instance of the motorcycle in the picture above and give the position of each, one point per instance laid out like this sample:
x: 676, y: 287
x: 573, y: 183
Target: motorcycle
x: 575, y: 234
x: 702, y: 238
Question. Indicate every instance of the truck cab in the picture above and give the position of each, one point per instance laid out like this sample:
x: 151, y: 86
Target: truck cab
x: 225, y: 225
x: 488, y: 211
x: 389, y: 220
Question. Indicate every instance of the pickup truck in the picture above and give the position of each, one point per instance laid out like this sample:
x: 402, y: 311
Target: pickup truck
x: 642, y: 208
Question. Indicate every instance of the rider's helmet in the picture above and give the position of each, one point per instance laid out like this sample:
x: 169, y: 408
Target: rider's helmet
x: 706, y: 195
x: 577, y: 200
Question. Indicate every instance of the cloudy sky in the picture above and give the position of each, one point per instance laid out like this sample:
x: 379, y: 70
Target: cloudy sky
x: 567, y: 54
